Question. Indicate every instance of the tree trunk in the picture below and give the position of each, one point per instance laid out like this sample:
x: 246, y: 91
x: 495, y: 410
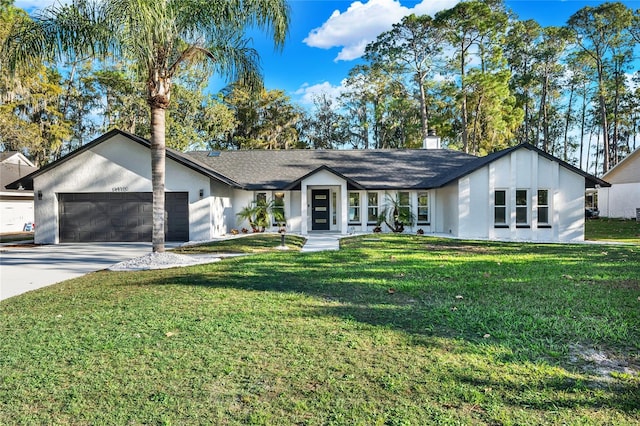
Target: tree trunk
x: 158, y: 152
x: 423, y: 108
x: 616, y: 100
x: 465, y: 136
x: 542, y: 116
x: 582, y: 124
x: 565, y: 156
x: 603, y: 118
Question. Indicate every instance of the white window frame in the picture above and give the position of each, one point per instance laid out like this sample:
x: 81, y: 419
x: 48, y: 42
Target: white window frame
x: 373, y: 209
x: 547, y: 206
x: 504, y: 207
x: 522, y: 208
x: 357, y: 217
x: 426, y: 221
x: 404, y: 206
x: 275, y: 196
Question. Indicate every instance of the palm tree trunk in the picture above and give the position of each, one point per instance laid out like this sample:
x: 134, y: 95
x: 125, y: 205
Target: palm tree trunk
x: 158, y: 176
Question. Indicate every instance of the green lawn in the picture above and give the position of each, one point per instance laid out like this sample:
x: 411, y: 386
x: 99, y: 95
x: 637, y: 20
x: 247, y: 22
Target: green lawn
x: 10, y: 237
x: 248, y: 244
x: 390, y: 330
x: 617, y: 230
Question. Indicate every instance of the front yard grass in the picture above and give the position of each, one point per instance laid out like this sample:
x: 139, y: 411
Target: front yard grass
x: 390, y: 330
x: 247, y: 244
x: 10, y: 237
x: 611, y: 229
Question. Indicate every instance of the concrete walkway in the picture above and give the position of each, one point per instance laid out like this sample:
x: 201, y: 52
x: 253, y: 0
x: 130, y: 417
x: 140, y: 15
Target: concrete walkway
x: 321, y: 242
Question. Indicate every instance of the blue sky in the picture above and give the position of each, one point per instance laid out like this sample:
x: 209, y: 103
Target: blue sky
x: 327, y: 37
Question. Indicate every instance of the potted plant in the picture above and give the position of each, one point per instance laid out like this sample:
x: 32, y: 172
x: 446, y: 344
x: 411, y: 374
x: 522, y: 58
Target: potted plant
x: 256, y: 213
x: 259, y: 214
x: 396, y: 215
x: 378, y: 228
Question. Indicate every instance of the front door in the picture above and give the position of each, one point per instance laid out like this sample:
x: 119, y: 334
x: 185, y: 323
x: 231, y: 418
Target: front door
x: 320, y: 209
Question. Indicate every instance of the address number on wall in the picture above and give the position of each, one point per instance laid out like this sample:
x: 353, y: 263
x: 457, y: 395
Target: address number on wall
x: 120, y: 189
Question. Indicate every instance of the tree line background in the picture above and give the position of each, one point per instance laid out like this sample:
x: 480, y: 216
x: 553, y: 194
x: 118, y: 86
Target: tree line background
x: 476, y: 74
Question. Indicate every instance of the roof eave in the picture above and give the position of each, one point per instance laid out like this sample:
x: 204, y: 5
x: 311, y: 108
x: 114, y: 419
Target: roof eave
x: 27, y: 181
x: 330, y: 170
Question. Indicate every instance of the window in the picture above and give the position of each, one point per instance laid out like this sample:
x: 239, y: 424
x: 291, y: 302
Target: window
x: 543, y: 207
x: 522, y: 208
x: 277, y: 212
x: 334, y: 210
x: 404, y: 202
x: 354, y: 207
x: 372, y: 208
x: 423, y: 208
x: 591, y: 200
x: 500, y: 208
x: 261, y: 215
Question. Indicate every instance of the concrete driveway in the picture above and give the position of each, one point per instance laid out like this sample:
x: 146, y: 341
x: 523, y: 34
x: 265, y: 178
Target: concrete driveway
x: 29, y: 268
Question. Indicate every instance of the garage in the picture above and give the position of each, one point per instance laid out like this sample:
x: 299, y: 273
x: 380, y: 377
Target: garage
x: 120, y: 216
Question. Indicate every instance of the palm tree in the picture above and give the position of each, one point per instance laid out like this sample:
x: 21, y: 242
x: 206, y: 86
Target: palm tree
x: 161, y: 37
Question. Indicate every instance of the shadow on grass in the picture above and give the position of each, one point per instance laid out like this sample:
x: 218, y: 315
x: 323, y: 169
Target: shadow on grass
x: 533, y: 301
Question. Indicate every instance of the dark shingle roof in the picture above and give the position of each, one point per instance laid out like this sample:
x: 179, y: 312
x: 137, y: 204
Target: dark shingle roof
x: 362, y: 169
x: 6, y: 154
x: 10, y: 172
x: 371, y: 169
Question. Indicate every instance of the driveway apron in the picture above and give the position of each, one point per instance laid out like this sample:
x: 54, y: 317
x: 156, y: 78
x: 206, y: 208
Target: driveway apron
x: 30, y: 268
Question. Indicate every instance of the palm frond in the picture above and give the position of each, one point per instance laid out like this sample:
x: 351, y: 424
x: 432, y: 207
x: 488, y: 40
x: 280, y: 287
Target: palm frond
x: 60, y: 32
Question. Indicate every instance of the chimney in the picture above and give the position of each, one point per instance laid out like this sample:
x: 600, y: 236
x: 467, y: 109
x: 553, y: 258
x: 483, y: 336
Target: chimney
x: 432, y: 141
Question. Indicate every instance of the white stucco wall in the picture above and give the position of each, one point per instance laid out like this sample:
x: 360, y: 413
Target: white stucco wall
x: 569, y: 199
x: 620, y: 200
x: 294, y: 215
x: 121, y: 165
x: 623, y: 197
x: 473, y: 191
x: 522, y: 170
x: 445, y: 218
x: 221, y: 217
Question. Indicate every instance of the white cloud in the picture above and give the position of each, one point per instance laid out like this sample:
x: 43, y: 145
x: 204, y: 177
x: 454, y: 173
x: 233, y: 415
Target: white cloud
x: 307, y: 93
x: 362, y: 22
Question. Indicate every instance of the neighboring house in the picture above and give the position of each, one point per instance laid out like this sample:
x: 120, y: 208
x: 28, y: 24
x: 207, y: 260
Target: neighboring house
x: 102, y: 192
x: 623, y: 197
x: 16, y: 205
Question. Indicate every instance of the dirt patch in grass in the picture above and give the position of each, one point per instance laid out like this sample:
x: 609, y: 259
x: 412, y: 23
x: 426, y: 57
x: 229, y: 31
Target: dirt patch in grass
x: 602, y: 363
x: 626, y: 284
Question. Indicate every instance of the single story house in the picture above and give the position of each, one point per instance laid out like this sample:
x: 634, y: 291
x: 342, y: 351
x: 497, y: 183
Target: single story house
x: 622, y: 198
x: 16, y: 205
x: 102, y: 192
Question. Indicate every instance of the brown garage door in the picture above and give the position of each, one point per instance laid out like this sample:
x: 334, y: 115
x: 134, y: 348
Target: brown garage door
x: 120, y: 216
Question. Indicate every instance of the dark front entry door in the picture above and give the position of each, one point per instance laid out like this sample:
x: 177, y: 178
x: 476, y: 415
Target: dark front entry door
x: 320, y: 209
